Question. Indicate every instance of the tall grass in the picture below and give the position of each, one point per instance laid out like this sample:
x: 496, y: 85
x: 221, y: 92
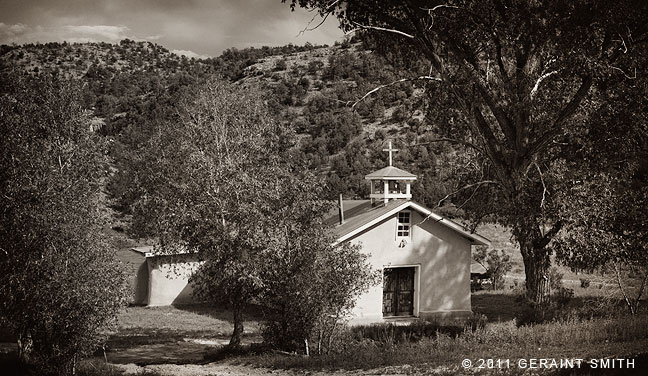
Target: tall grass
x: 373, y: 346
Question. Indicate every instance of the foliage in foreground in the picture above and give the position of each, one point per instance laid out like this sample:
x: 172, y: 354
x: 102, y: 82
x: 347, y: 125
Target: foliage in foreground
x: 433, y: 345
x: 61, y: 285
x: 608, y: 232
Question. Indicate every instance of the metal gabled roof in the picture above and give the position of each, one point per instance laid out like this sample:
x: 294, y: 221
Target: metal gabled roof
x: 368, y: 216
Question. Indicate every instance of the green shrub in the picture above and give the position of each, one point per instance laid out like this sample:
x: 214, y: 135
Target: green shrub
x: 391, y: 334
x: 476, y: 321
x: 281, y: 65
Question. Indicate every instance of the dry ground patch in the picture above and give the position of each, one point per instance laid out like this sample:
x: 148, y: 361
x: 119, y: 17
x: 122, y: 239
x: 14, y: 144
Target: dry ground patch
x: 173, y: 334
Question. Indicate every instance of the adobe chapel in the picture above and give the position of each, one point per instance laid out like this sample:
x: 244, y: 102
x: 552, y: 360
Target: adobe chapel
x: 425, y: 258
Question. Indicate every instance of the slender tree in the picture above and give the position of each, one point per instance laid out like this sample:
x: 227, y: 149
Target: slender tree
x: 220, y: 184
x: 200, y: 181
x: 60, y: 286
x: 309, y: 280
x: 497, y: 264
x: 509, y: 81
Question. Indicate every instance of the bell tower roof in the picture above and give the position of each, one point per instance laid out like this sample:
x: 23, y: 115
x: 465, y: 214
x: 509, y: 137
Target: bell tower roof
x: 390, y: 182
x: 390, y: 173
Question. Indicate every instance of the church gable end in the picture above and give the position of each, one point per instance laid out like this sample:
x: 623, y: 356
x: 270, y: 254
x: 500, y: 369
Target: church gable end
x: 424, y: 258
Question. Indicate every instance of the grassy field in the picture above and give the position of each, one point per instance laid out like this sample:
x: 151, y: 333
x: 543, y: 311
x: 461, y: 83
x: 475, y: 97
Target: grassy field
x: 587, y: 339
x: 168, y: 335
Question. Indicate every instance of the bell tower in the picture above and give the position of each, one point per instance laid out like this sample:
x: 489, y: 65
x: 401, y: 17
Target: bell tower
x: 390, y: 182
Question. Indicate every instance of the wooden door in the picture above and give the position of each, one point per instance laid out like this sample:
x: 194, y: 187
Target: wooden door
x: 398, y: 292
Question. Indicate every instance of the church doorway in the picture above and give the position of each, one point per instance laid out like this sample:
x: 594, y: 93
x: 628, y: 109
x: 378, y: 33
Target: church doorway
x: 398, y: 291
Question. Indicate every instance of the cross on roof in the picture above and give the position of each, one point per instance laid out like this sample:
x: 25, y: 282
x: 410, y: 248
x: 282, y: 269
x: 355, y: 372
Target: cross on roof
x: 390, y: 150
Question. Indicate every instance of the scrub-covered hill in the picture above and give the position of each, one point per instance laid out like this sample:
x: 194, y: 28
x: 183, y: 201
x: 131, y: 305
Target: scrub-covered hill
x: 321, y: 91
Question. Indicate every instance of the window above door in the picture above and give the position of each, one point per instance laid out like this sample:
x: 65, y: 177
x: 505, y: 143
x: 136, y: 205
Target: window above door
x: 404, y: 225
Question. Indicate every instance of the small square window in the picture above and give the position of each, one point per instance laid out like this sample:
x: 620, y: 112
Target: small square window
x: 403, y: 226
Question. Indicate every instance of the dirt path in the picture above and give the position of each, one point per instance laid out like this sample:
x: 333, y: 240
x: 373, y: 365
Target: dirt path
x: 186, y: 358
x: 224, y: 368
x: 210, y: 369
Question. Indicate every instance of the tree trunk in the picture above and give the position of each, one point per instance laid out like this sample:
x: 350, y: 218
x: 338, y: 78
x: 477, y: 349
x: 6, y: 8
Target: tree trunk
x: 631, y: 301
x: 536, y: 265
x: 235, y: 341
x: 320, y: 335
x: 70, y: 366
x: 25, y: 345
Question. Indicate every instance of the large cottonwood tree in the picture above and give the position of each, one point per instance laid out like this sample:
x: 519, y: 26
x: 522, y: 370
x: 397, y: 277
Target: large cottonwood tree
x: 513, y: 82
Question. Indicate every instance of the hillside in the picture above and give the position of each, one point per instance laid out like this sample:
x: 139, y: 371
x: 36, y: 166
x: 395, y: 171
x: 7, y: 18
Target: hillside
x: 319, y: 93
x: 131, y: 86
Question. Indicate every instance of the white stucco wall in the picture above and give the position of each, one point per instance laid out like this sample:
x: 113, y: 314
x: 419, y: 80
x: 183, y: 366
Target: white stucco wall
x: 136, y: 267
x: 169, y: 279
x: 441, y: 258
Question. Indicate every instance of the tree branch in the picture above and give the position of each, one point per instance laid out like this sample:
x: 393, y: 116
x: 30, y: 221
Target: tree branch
x: 543, y: 241
x: 624, y: 73
x: 620, y: 284
x: 470, y: 197
x: 478, y: 184
x: 572, y: 106
x: 500, y: 60
x: 540, y: 79
x: 381, y: 29
x: 501, y: 116
x: 566, y: 112
x: 430, y: 10
x: 453, y: 141
x: 430, y: 78
x: 544, y: 187
x: 326, y: 11
x: 490, y: 142
x: 308, y: 28
x: 641, y: 288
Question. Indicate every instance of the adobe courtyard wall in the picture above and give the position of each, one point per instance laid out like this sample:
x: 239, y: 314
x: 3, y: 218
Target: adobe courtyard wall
x: 168, y: 278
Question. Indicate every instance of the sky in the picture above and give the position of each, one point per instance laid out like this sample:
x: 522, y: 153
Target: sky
x: 197, y: 28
